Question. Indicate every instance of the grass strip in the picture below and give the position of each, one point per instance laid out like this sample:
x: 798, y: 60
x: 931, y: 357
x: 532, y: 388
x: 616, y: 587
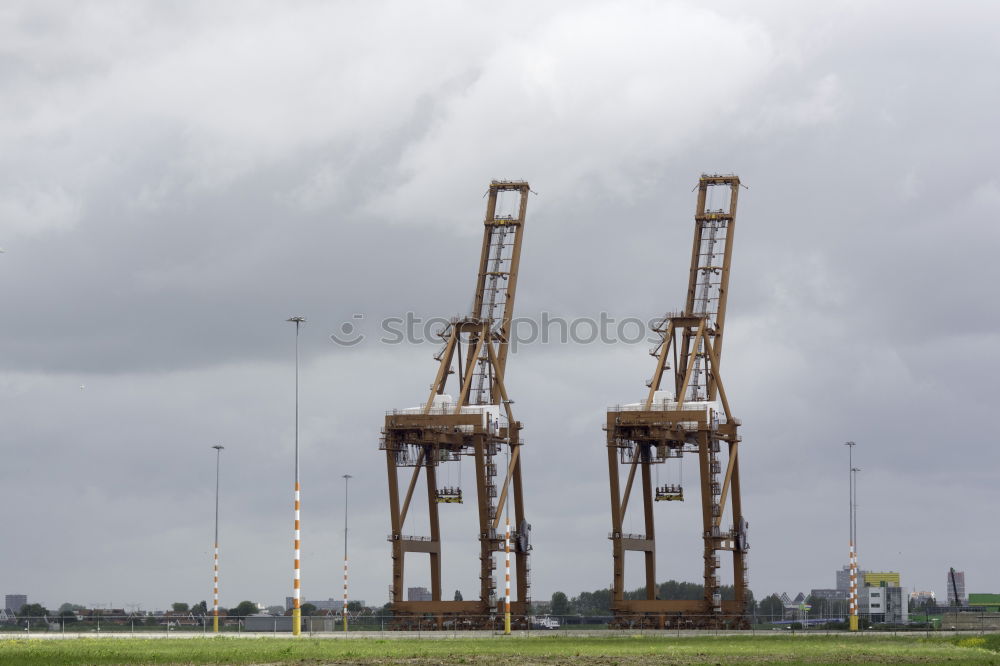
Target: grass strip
x: 623, y: 650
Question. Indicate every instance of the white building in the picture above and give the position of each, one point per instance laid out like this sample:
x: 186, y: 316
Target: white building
x: 883, y: 604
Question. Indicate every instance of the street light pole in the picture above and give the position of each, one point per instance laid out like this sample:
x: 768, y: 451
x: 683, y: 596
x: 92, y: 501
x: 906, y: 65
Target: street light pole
x: 854, y: 472
x: 297, y: 576
x: 854, y: 501
x: 850, y: 492
x: 215, y: 566
x: 347, y: 479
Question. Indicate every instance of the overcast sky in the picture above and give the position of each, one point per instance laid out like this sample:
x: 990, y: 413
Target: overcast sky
x: 177, y: 179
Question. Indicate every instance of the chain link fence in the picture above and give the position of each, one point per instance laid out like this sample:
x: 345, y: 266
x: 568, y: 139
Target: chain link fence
x: 368, y: 624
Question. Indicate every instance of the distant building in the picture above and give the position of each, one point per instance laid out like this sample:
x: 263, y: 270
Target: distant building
x: 959, y: 583
x: 832, y: 603
x: 988, y: 602
x: 844, y: 578
x: 883, y: 604
x: 828, y: 594
x: 788, y: 601
x: 880, y: 579
x: 923, y: 598
x: 271, y: 623
x: 335, y: 605
x: 792, y: 607
x: 15, y: 601
x: 418, y: 594
x: 881, y: 598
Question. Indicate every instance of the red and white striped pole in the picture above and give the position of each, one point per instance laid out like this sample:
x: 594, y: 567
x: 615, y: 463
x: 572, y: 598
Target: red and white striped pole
x: 506, y: 595
x: 347, y: 478
x: 297, y: 577
x: 344, y: 609
x: 215, y: 564
x: 215, y: 593
x: 854, y: 589
x: 853, y: 538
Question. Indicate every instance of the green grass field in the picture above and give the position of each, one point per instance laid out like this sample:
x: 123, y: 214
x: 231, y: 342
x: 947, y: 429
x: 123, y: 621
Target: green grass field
x: 497, y: 650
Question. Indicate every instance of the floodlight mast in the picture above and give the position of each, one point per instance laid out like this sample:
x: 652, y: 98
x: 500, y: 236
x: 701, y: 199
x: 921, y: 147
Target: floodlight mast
x: 852, y: 560
x: 297, y: 532
x: 215, y: 559
x: 347, y: 478
x: 691, y: 415
x: 478, y: 423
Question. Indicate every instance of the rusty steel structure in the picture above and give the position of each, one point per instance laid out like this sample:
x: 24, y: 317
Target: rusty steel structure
x: 479, y: 424
x: 686, y: 412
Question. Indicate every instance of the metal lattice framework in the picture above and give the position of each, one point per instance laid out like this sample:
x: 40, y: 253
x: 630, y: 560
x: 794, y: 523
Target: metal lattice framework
x: 690, y: 416
x: 479, y: 424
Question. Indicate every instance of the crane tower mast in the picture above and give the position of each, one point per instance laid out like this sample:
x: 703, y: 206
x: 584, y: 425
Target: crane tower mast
x: 477, y: 423
x: 686, y: 412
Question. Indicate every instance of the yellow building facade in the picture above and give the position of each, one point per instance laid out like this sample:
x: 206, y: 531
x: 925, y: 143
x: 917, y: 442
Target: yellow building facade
x: 881, y: 579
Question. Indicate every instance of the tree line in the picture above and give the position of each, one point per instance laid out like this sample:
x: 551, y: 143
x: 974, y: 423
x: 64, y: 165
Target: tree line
x: 598, y: 602
x: 68, y: 612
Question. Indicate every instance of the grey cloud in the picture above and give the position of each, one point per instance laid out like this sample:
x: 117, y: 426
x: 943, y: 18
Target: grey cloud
x: 176, y: 182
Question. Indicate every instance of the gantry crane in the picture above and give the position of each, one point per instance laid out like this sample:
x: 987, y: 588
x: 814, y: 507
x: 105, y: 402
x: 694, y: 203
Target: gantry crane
x: 479, y: 423
x: 690, y: 415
